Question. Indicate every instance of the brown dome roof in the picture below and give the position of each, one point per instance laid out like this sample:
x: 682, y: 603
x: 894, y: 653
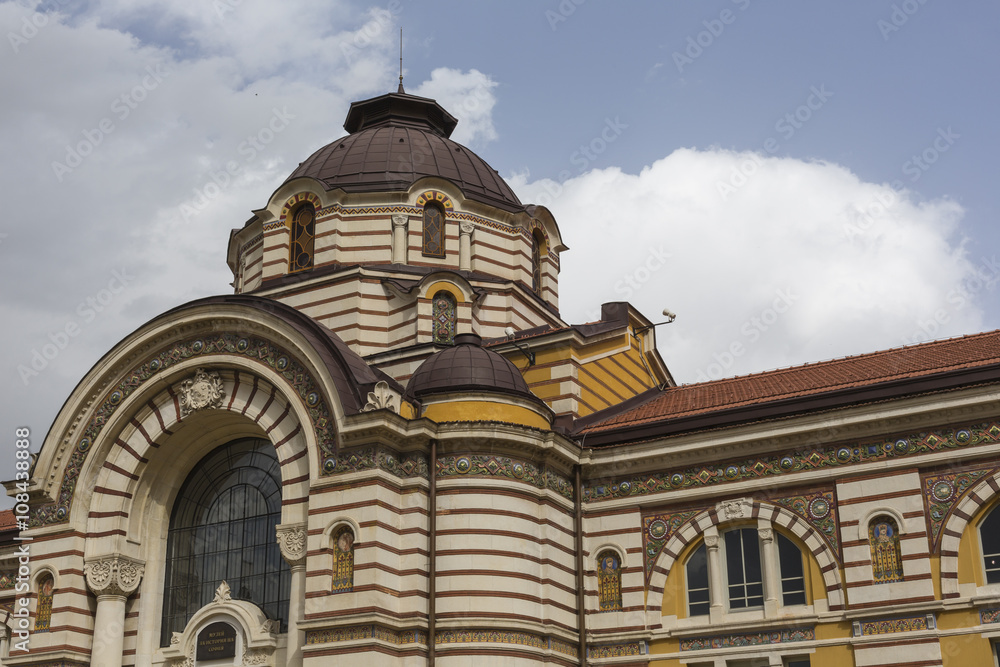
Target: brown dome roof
x: 397, y: 139
x: 467, y: 367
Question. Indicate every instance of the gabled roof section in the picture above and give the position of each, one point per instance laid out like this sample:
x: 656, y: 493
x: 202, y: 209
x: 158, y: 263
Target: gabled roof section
x: 937, y: 365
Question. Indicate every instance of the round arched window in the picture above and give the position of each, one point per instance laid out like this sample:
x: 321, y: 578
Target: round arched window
x: 223, y: 529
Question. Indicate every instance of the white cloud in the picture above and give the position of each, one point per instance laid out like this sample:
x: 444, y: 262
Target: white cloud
x: 803, y: 262
x: 469, y: 97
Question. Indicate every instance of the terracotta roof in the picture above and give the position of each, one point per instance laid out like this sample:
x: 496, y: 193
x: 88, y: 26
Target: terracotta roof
x: 396, y: 140
x: 7, y: 521
x: 847, y: 374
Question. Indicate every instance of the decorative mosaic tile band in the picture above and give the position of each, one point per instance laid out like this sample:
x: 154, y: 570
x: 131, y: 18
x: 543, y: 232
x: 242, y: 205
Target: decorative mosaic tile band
x: 400, y: 637
x: 485, y: 465
x: 887, y: 626
x: 356, y: 632
x: 617, y: 650
x: 256, y: 349
x: 249, y: 244
x: 657, y: 530
x: 943, y: 493
x: 831, y: 456
x: 7, y: 580
x: 371, y: 458
x: 748, y: 639
x: 987, y: 616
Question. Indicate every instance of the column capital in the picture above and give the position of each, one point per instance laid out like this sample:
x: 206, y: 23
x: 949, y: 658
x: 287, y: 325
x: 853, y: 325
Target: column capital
x: 292, y: 542
x: 400, y: 219
x: 466, y: 228
x: 114, y: 575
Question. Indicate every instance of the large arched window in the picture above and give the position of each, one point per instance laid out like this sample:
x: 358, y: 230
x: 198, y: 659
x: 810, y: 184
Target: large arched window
x: 433, y: 230
x: 223, y: 529
x: 303, y: 237
x: 989, y: 536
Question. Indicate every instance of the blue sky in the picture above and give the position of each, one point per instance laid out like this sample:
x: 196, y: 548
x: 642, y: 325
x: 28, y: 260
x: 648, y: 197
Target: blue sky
x: 797, y: 181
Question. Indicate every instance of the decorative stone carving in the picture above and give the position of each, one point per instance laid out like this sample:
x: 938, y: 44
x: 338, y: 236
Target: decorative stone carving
x: 255, y: 657
x: 292, y: 542
x: 202, y: 392
x: 711, y: 541
x: 466, y: 228
x: 113, y: 576
x: 222, y: 594
x: 381, y: 398
x: 270, y: 627
x: 399, y: 219
x: 728, y: 510
x: 766, y: 534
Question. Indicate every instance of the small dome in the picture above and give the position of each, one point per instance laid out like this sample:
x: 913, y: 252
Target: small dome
x: 466, y: 367
x: 397, y: 139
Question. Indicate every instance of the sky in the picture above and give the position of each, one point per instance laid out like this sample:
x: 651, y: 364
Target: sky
x: 796, y: 181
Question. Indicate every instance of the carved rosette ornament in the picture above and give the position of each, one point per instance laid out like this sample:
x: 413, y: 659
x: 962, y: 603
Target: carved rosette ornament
x: 399, y: 219
x: 255, y: 657
x: 292, y: 542
x: 381, y: 398
x: 202, y: 392
x: 466, y: 228
x: 114, y: 576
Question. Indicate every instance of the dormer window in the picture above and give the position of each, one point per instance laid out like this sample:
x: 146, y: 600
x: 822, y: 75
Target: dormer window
x: 303, y: 229
x: 433, y: 230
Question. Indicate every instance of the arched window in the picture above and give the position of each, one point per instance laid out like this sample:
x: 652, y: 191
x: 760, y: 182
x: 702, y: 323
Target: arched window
x: 43, y: 612
x: 883, y: 539
x: 537, y: 244
x: 343, y: 561
x: 303, y: 237
x: 222, y: 528
x: 609, y: 581
x: 740, y: 555
x: 989, y: 537
x: 433, y: 230
x: 445, y: 318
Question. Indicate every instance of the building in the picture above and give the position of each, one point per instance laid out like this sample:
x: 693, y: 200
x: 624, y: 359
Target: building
x: 387, y: 447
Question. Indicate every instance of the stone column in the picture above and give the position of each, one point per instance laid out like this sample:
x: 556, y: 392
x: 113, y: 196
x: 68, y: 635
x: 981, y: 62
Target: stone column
x: 771, y: 574
x: 716, y: 587
x: 292, y: 541
x: 399, y: 238
x: 112, y: 579
x: 465, y: 230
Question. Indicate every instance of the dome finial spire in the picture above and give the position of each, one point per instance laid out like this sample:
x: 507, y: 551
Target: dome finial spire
x: 400, y: 90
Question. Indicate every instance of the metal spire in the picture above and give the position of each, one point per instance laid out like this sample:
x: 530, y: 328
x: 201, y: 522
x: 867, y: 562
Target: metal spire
x: 400, y: 61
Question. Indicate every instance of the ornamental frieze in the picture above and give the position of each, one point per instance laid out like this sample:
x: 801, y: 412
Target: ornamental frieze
x: 375, y: 457
x: 748, y: 639
x: 253, y: 348
x: 488, y: 465
x: 776, y: 465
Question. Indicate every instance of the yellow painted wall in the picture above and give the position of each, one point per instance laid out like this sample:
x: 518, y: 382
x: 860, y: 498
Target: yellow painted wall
x: 966, y: 651
x: 467, y: 411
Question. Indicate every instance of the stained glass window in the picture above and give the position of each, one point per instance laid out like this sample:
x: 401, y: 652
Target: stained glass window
x: 43, y: 614
x: 883, y: 539
x: 223, y: 529
x: 433, y: 231
x: 609, y: 581
x: 536, y: 263
x: 445, y: 318
x: 303, y: 237
x: 343, y: 561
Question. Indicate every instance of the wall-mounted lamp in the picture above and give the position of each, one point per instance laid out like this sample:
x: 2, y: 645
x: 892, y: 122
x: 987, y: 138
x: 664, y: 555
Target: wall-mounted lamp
x: 509, y: 332
x: 667, y: 314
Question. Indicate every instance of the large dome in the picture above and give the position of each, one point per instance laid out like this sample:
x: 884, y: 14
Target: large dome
x: 467, y: 367
x: 397, y: 139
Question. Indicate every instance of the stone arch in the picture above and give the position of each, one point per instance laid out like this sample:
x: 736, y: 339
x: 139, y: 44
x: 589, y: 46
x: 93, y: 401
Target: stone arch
x: 965, y: 512
x: 778, y: 516
x: 117, y: 504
